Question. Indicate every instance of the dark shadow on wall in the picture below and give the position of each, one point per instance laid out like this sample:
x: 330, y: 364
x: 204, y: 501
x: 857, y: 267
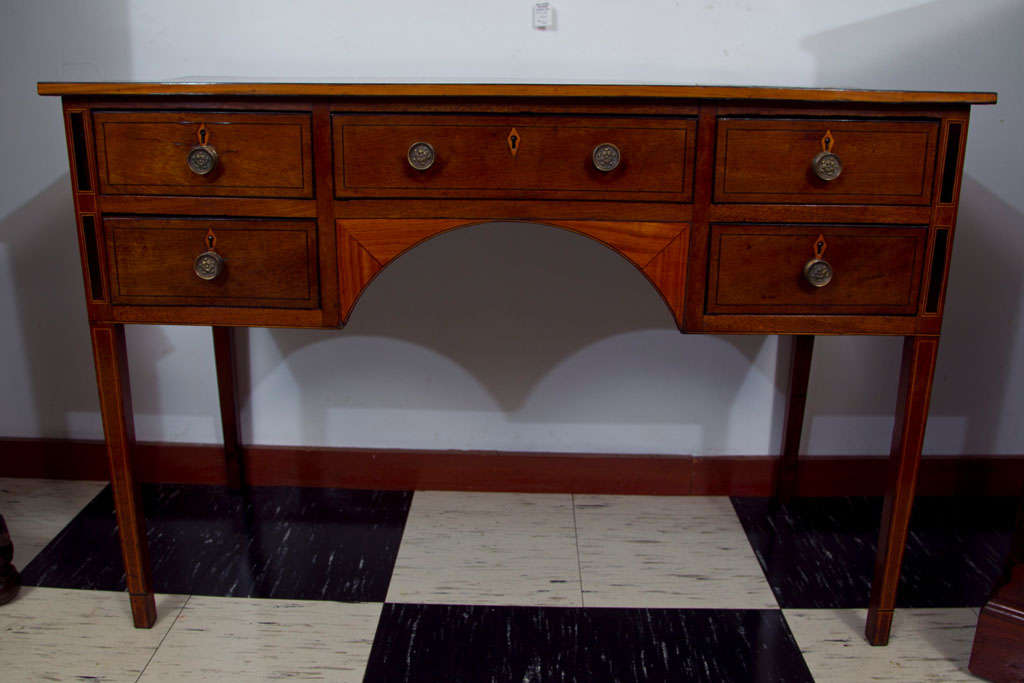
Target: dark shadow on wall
x: 941, y: 45
x: 945, y: 45
x: 40, y: 236
x: 981, y: 326
x: 42, y: 242
x: 80, y: 41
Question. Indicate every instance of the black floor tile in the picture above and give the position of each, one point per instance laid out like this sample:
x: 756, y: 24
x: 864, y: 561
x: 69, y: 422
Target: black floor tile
x: 530, y: 644
x: 269, y: 542
x: 820, y: 552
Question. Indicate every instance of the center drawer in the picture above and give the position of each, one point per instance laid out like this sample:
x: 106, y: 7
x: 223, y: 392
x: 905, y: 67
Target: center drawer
x: 532, y: 156
x: 266, y: 263
x: 764, y: 269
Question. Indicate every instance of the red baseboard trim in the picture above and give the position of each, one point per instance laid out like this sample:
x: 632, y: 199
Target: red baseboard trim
x: 493, y: 471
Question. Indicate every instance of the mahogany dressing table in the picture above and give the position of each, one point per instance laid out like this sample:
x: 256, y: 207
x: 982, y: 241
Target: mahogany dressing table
x: 750, y: 210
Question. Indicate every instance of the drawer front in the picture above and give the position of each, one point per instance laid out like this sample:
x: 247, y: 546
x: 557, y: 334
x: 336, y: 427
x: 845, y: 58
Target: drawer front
x: 257, y: 155
x: 510, y: 157
x: 760, y: 269
x: 266, y: 263
x: 772, y: 161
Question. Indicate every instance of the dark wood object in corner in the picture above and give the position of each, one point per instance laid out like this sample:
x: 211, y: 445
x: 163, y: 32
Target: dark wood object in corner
x: 998, y: 653
x: 750, y: 210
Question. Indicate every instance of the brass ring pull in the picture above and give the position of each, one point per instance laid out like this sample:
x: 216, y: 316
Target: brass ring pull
x: 208, y: 265
x: 421, y: 155
x: 606, y: 157
x: 818, y: 272
x: 826, y: 163
x: 202, y: 158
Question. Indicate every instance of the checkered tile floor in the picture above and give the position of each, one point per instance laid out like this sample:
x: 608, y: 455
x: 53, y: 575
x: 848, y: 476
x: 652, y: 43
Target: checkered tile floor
x: 447, y: 586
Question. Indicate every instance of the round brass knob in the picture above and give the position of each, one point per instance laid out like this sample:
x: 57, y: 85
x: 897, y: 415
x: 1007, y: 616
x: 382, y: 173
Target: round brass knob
x: 827, y: 166
x: 606, y: 157
x: 202, y: 159
x: 421, y: 155
x: 208, y: 265
x: 818, y: 272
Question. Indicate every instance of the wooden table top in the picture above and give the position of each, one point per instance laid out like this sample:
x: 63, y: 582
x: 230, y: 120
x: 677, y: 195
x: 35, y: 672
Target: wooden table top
x: 668, y: 92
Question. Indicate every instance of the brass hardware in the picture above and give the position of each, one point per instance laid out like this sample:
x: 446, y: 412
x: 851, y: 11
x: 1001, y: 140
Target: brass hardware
x: 817, y: 271
x: 421, y: 155
x: 514, y: 141
x: 202, y: 158
x: 208, y: 265
x: 826, y: 163
x: 606, y: 157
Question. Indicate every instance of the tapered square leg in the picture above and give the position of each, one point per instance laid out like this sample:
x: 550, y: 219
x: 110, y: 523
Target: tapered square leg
x: 916, y: 373
x: 224, y: 357
x: 111, y: 360
x: 796, y: 403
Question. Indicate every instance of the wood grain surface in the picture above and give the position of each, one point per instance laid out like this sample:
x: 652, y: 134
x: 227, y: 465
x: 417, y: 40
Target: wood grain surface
x: 258, y: 155
x: 759, y: 269
x: 266, y: 263
x: 769, y: 160
x: 552, y: 159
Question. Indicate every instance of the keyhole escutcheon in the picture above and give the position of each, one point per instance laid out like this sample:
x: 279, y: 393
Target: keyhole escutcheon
x: 513, y: 141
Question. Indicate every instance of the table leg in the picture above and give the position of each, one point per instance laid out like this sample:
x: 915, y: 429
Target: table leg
x: 111, y: 360
x: 224, y: 357
x: 916, y: 373
x: 796, y: 402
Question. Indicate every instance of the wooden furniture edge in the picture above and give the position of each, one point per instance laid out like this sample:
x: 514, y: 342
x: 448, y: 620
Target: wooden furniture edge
x: 717, y: 92
x: 401, y: 469
x: 997, y: 654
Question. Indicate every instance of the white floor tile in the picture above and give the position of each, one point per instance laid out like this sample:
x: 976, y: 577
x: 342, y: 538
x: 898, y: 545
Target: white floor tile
x: 35, y: 510
x: 925, y: 645
x: 667, y: 551
x: 245, y: 639
x: 56, y: 634
x: 488, y: 549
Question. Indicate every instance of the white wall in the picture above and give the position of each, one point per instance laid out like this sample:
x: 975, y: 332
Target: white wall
x: 473, y: 341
